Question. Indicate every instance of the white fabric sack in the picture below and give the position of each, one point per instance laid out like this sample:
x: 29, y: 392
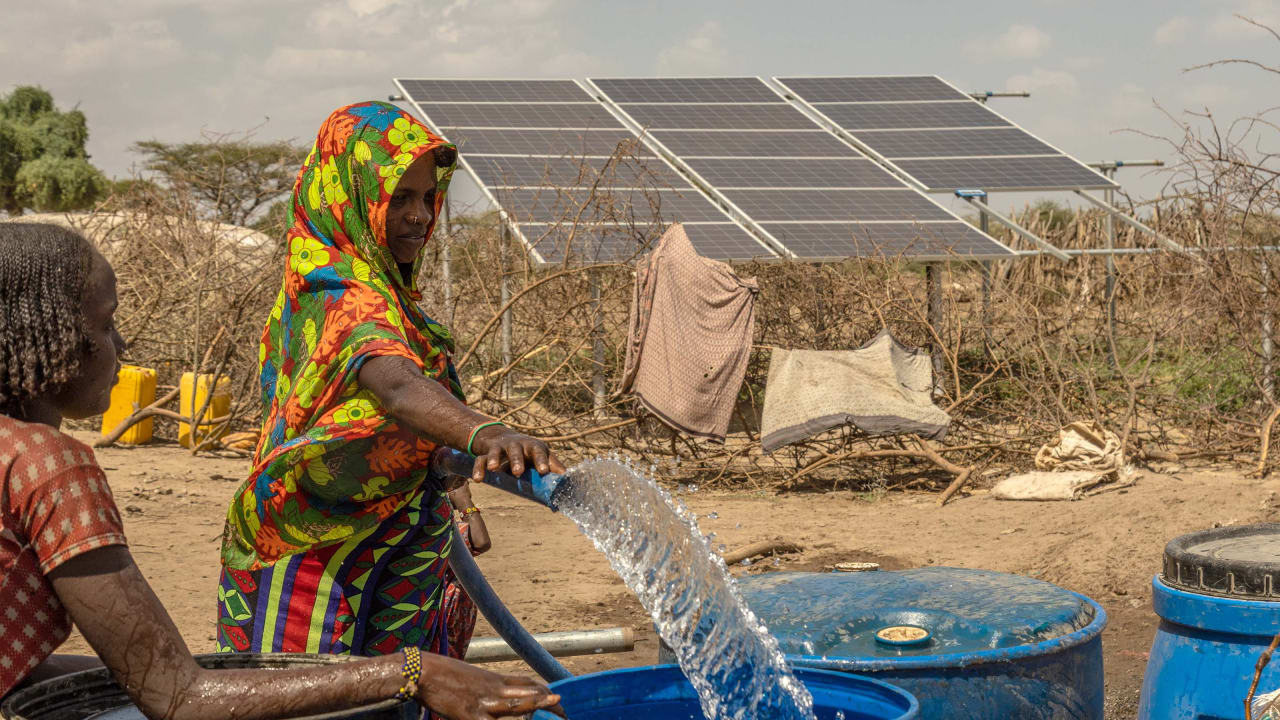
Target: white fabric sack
x: 1042, y: 485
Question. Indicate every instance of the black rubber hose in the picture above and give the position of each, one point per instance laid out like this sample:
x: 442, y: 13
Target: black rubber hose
x: 490, y: 605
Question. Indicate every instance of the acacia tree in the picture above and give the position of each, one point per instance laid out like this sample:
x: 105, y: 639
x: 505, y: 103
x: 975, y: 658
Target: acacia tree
x: 43, y: 163
x: 234, y: 179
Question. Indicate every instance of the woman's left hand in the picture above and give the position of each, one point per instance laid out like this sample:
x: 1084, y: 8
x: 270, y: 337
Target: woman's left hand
x: 497, y: 446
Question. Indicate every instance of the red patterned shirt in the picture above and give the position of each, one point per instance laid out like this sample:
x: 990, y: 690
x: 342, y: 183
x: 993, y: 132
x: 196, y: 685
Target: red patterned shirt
x: 55, y: 504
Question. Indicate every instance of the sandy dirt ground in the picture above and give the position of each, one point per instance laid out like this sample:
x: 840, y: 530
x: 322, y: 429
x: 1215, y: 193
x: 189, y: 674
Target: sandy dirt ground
x: 1107, y: 546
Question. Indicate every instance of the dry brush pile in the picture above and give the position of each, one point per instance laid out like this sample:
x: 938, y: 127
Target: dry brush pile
x: 1179, y: 374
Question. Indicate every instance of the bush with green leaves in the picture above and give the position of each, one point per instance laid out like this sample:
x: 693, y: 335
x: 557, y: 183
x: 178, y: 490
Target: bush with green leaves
x: 43, y: 163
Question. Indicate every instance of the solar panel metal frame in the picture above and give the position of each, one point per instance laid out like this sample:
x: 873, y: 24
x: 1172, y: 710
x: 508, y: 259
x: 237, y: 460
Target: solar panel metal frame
x: 767, y: 252
x: 1103, y: 183
x: 662, y: 150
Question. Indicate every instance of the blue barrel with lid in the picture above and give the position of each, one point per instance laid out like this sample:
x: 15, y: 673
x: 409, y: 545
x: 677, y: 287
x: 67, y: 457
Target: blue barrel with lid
x: 1218, y: 599
x: 968, y: 644
x: 662, y: 692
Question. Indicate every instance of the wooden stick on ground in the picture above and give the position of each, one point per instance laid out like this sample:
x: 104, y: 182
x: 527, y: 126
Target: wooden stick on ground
x: 955, y: 486
x: 136, y: 417
x: 764, y: 547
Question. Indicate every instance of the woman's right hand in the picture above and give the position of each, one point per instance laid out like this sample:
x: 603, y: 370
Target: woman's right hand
x: 498, y: 445
x: 463, y: 692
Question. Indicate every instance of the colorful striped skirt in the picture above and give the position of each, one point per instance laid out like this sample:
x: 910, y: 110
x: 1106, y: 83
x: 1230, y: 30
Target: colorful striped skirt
x: 371, y: 595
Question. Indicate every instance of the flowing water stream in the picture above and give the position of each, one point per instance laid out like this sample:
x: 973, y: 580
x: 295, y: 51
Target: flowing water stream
x: 654, y: 544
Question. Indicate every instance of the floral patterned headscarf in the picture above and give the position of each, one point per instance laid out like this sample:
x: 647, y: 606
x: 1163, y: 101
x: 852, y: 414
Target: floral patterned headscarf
x: 331, y: 463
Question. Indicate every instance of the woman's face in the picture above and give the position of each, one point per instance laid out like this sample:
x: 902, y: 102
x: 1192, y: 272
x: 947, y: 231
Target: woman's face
x: 410, y: 210
x: 89, y: 392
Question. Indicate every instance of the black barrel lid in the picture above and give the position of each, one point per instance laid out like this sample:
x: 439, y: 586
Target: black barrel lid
x: 1239, y: 562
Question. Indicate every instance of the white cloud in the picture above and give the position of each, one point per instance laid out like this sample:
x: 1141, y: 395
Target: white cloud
x: 701, y: 52
x: 1174, y: 30
x: 1019, y: 42
x: 1058, y: 83
x: 128, y: 44
x: 1198, y: 96
x: 1081, y: 63
x: 365, y: 8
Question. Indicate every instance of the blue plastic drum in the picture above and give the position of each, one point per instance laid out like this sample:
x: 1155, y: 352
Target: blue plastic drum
x: 662, y: 692
x: 1219, y: 605
x: 968, y: 644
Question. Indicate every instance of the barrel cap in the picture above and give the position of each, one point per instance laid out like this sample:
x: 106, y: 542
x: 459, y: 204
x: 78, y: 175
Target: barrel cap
x: 1239, y: 562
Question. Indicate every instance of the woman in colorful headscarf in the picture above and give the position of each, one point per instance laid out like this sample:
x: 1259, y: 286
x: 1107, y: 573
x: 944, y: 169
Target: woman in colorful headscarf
x: 339, y: 540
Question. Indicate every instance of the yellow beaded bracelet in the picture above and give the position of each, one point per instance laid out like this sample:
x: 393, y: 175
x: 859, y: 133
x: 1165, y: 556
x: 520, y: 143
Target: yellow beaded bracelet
x: 411, y: 673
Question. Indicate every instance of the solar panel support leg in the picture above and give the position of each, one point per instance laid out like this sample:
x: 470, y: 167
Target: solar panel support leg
x: 1115, y: 212
x: 503, y: 251
x: 1044, y: 245
x: 597, y: 347
x: 1111, y: 280
x: 984, y: 224
x: 933, y: 283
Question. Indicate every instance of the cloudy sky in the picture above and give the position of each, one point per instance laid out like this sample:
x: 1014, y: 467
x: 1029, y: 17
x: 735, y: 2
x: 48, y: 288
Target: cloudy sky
x: 170, y: 69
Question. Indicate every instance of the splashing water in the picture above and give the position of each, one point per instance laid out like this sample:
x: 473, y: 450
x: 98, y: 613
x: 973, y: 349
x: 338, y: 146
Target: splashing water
x: 654, y: 544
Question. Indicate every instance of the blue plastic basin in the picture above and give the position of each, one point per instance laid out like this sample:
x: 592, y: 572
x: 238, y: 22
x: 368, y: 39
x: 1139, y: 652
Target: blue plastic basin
x: 1202, y: 659
x: 1001, y: 646
x: 661, y: 692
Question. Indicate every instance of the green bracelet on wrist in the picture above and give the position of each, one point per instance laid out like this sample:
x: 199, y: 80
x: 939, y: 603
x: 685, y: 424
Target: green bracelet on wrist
x: 472, y: 440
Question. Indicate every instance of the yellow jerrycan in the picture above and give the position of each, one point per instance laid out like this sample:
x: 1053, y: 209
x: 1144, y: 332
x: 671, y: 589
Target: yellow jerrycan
x: 135, y: 388
x: 192, y: 392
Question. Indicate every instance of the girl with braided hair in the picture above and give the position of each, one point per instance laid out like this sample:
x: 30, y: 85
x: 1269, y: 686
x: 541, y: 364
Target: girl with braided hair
x: 63, y: 556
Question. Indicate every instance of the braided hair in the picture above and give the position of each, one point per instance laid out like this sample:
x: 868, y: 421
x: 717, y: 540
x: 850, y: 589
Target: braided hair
x: 43, y: 272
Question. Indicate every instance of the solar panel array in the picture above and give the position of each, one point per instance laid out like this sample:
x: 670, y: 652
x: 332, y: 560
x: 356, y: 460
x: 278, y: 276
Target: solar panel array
x: 802, y: 186
x: 930, y: 131
x: 547, y: 153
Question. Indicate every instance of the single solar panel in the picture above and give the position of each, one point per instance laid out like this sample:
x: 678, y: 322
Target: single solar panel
x: 550, y: 154
x: 621, y: 243
x: 686, y: 90
x: 521, y: 171
x: 443, y: 90
x: 836, y: 205
x: 852, y: 172
x: 554, y: 205
x: 921, y: 241
x: 554, y: 143
x: 517, y: 115
x: 689, y: 116
x: 894, y: 144
x: 782, y: 170
x: 889, y: 88
x: 757, y: 143
x: 945, y: 140
x: 912, y: 115
x: 1001, y: 173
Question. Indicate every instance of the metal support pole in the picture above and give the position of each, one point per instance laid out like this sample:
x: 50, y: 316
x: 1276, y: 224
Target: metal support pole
x: 1110, y: 296
x: 446, y: 265
x: 1268, y: 345
x: 597, y: 346
x: 505, y: 298
x: 933, y: 282
x: 984, y: 224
